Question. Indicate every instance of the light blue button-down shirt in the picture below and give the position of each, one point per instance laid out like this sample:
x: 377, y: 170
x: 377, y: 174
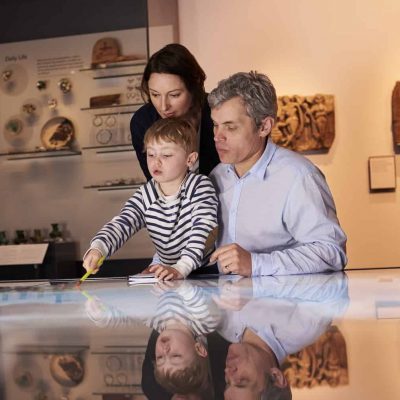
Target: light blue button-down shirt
x: 282, y: 212
x: 288, y: 314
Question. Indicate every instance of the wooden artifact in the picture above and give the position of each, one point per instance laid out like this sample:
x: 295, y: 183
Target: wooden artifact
x: 396, y: 114
x: 108, y: 50
x: 322, y: 363
x: 105, y: 100
x: 305, y: 123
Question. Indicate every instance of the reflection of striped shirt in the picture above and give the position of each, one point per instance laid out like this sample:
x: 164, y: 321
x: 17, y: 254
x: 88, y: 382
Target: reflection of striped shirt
x: 178, y: 225
x: 189, y: 306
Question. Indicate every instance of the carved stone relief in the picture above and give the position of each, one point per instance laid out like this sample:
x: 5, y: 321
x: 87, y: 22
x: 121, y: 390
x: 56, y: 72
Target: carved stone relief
x: 305, y: 123
x: 396, y: 114
x: 322, y: 363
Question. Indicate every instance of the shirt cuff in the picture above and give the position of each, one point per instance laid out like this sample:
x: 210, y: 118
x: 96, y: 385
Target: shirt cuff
x: 155, y: 260
x: 184, y: 266
x: 99, y: 246
x: 261, y: 264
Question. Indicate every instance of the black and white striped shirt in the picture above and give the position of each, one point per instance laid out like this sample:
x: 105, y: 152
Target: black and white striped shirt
x: 178, y: 225
x: 188, y: 305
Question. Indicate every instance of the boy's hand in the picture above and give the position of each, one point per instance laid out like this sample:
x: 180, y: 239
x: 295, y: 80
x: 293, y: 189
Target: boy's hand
x: 91, y: 261
x: 164, y: 272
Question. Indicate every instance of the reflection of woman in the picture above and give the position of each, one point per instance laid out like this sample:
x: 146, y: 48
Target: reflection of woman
x: 173, y: 83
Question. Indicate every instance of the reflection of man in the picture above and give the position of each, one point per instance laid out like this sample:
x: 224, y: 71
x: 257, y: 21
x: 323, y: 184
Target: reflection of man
x: 252, y: 370
x: 277, y: 215
x: 286, y: 315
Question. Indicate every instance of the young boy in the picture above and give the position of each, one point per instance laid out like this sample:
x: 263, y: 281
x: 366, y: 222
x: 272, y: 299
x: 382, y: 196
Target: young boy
x: 178, y: 207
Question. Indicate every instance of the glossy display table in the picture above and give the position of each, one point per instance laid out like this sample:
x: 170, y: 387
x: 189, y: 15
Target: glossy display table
x: 324, y: 336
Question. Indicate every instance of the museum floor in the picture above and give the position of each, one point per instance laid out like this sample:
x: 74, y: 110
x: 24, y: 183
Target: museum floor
x: 333, y: 336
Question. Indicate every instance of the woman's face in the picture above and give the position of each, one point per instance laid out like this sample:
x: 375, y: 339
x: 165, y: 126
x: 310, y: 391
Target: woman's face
x: 169, y: 95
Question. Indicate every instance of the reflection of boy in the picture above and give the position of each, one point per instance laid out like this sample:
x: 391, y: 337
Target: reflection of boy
x: 177, y: 354
x: 183, y: 318
x: 178, y: 208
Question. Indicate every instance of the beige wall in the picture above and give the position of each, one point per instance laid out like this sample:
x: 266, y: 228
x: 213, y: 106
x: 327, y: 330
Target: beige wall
x: 348, y: 48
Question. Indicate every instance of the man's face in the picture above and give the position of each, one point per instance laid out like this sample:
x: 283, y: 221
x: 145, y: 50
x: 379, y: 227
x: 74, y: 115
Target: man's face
x: 245, y: 372
x: 237, y: 139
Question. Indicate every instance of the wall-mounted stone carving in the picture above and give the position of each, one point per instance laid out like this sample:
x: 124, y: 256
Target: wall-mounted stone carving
x: 322, y: 363
x: 396, y: 114
x: 305, y: 123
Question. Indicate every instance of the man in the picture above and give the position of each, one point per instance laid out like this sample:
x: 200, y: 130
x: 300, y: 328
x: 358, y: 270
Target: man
x: 277, y: 215
x: 285, y: 315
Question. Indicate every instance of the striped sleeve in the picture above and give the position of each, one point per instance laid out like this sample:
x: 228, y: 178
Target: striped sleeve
x: 203, y: 219
x: 122, y: 227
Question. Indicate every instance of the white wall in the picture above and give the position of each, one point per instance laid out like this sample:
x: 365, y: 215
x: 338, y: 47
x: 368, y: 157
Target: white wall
x: 348, y: 48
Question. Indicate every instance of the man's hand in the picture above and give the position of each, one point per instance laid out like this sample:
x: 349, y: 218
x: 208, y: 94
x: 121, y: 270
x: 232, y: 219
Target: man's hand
x: 234, y: 295
x: 164, y: 272
x: 233, y: 259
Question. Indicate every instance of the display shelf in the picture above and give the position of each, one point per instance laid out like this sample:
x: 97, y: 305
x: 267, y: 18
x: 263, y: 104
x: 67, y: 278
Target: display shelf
x: 113, y: 106
x: 26, y: 155
x: 109, y: 71
x: 118, y: 75
x: 122, y: 64
x: 107, y: 188
x: 51, y: 349
x: 105, y: 114
x: 111, y: 148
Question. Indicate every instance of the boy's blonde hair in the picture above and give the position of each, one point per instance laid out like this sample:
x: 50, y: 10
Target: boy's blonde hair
x: 191, y: 379
x: 179, y: 131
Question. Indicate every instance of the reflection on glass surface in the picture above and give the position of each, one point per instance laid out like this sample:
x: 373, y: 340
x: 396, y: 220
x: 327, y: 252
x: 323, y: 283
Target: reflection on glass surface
x: 194, y: 339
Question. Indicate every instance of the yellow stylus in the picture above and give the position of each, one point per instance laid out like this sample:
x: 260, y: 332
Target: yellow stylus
x: 84, y: 277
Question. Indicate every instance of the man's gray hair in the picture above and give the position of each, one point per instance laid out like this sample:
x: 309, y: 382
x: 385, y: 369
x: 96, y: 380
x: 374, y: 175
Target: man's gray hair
x: 256, y: 91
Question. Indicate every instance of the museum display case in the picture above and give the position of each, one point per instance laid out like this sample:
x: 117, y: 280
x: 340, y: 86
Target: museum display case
x: 319, y: 336
x: 67, y: 95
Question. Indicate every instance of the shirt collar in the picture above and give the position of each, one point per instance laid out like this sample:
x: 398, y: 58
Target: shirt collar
x: 259, y: 169
x: 180, y: 192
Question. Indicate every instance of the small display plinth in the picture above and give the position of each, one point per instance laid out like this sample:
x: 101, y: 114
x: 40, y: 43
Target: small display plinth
x: 54, y: 260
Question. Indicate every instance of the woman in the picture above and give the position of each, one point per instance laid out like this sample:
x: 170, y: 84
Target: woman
x: 173, y: 83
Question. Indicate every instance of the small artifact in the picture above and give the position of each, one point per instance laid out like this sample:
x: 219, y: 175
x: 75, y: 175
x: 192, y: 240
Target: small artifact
x: 52, y: 103
x: 29, y: 108
x: 111, y: 121
x: 97, y: 121
x: 55, y: 233
x: 105, y: 100
x: 37, y: 236
x: 3, y: 238
x: 20, y: 237
x: 41, y: 85
x: 62, y: 133
x: 67, y: 369
x: 7, y: 74
x: 14, y: 79
x: 65, y: 85
x: 57, y: 133
x: 105, y: 50
x: 108, y: 50
x: 14, y: 126
x: 104, y: 136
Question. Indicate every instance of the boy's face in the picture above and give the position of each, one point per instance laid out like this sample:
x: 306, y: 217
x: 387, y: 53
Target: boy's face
x: 176, y: 350
x: 168, y: 163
